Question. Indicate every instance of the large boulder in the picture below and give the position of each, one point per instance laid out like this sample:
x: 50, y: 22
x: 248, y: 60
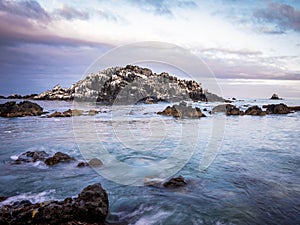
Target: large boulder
x: 91, y: 206
x: 58, y: 158
x: 183, y: 111
x: 232, y: 110
x: 277, y: 109
x: 255, y: 111
x: 25, y: 108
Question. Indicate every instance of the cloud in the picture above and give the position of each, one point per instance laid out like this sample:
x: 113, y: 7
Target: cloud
x: 163, y: 7
x: 25, y: 9
x: 70, y: 13
x: 280, y: 17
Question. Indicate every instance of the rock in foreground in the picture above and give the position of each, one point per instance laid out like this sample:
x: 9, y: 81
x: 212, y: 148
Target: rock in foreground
x: 175, y: 182
x: 182, y: 111
x: 25, y: 108
x: 91, y: 206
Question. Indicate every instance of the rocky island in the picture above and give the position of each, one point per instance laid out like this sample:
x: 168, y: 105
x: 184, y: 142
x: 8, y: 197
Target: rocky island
x: 127, y: 85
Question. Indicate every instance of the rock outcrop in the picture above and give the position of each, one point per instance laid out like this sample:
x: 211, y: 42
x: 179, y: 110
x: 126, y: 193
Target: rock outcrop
x: 275, y: 97
x: 277, y: 109
x: 255, y: 111
x: 34, y: 156
x: 25, y: 108
x: 57, y: 93
x: 90, y: 207
x: 232, y: 110
x: 182, y: 111
x: 127, y: 85
x: 58, y: 158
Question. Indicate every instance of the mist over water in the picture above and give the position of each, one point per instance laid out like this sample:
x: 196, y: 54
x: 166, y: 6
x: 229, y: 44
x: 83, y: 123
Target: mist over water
x: 255, y: 178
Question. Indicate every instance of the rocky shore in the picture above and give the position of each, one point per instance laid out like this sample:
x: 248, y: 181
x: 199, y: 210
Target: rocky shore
x: 89, y: 207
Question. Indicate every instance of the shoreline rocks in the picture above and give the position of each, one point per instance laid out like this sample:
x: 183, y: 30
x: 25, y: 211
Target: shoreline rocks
x: 90, y: 206
x: 24, y: 108
x: 182, y: 111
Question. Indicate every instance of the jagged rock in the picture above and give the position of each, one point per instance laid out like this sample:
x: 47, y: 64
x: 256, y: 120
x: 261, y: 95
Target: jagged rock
x: 277, y: 109
x: 57, y: 158
x: 175, y: 182
x: 275, y: 97
x: 25, y: 108
x: 91, y: 206
x: 57, y: 93
x: 182, y: 110
x: 30, y: 156
x: 95, y: 162
x: 255, y: 111
x: 15, y: 96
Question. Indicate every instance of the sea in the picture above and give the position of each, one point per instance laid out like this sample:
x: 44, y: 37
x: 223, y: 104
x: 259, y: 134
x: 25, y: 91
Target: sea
x: 239, y: 169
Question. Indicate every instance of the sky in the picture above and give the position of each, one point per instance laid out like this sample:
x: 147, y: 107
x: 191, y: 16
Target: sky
x: 252, y: 47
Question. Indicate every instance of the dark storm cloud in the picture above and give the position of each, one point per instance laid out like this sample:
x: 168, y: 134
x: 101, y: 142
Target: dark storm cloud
x: 70, y: 13
x: 282, y: 16
x: 25, y: 9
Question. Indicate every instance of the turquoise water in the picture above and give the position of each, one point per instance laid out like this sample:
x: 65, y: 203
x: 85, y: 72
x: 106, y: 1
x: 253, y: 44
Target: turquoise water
x: 254, y: 179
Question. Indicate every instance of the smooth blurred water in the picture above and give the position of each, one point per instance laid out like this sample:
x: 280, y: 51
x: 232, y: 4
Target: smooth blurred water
x: 255, y: 178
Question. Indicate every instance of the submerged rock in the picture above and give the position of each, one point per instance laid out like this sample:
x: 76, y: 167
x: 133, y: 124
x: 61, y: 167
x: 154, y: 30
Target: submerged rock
x: 67, y: 113
x: 182, y: 110
x: 255, y: 111
x: 25, y: 108
x: 175, y: 182
x: 95, y: 162
x: 3, y: 198
x: 91, y: 206
x: 57, y: 158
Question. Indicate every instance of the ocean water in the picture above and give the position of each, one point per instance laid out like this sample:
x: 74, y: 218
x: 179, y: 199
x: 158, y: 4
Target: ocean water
x: 251, y: 175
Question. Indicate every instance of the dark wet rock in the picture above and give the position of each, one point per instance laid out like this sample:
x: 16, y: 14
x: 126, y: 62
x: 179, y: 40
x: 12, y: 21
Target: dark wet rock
x: 2, y: 97
x: 15, y: 96
x: 182, y: 111
x: 255, y: 111
x: 277, y: 109
x: 58, y: 158
x: 25, y: 108
x: 275, y: 97
x: 31, y: 156
x: 95, y: 162
x: 232, y: 110
x: 3, y: 198
x: 175, y: 182
x: 91, y: 206
x: 82, y: 164
x: 294, y: 108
